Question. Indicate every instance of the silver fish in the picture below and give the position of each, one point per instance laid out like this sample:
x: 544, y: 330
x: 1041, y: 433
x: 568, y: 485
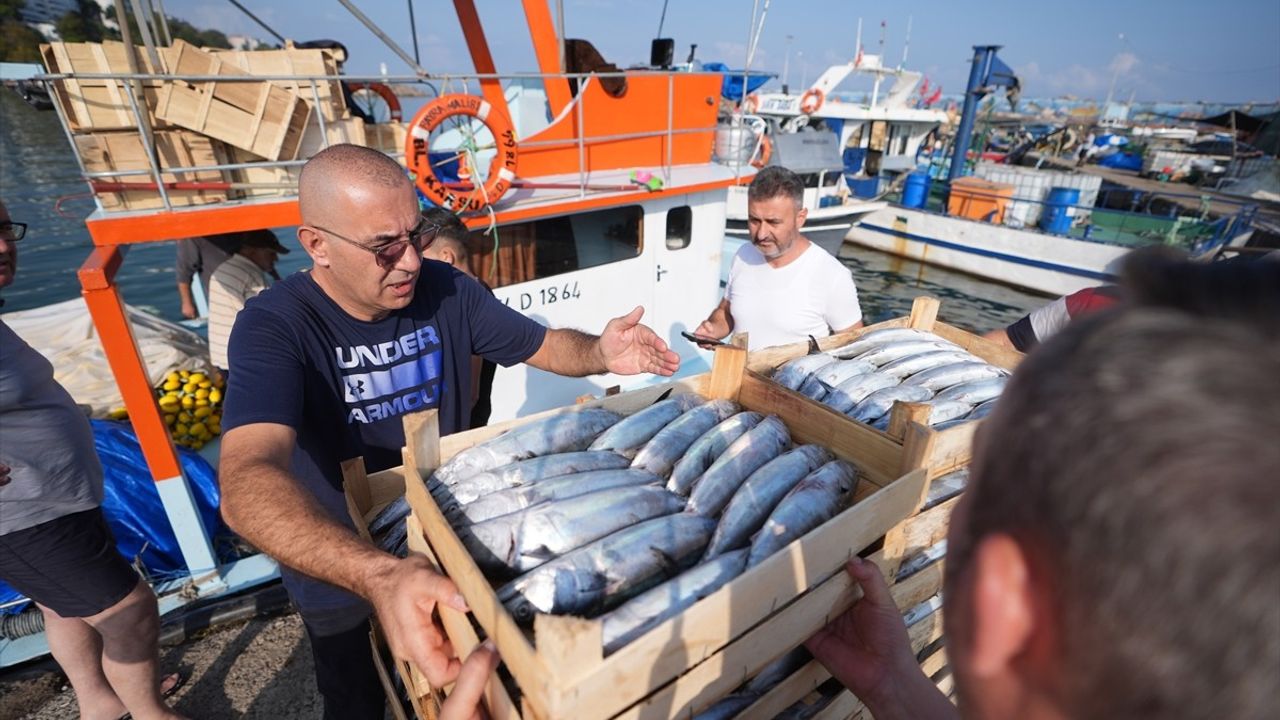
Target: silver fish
x: 529, y: 471
x: 706, y: 449
x: 944, y: 376
x: 759, y: 494
x: 648, y: 609
x: 524, y: 540
x: 393, y: 513
x: 794, y: 372
x: 983, y: 410
x: 943, y: 410
x: 945, y: 487
x: 661, y: 453
x: 394, y: 536
x: 573, y: 430
x: 610, y: 570
x: 887, y: 353
x: 814, y: 501
x: 975, y: 391
x: 876, y: 338
x: 505, y: 502
x: 875, y: 405
x: 922, y: 560
x: 747, y: 454
x: 813, y: 388
x: 838, y: 372
x: 778, y: 670
x: 849, y: 393
x: 912, y: 364
x: 636, y: 429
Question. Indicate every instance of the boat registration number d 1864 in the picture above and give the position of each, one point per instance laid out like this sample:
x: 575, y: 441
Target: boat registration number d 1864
x: 549, y: 295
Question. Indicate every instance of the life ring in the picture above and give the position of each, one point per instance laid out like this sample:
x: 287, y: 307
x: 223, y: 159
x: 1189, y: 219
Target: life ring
x: 751, y: 104
x: 759, y: 160
x: 502, y: 168
x: 811, y: 101
x: 382, y: 91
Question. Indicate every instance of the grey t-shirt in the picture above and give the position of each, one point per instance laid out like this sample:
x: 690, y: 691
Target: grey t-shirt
x: 45, y: 440
x: 203, y: 255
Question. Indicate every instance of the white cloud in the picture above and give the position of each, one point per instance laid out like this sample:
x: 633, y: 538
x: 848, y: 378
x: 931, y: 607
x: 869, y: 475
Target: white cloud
x: 1124, y: 63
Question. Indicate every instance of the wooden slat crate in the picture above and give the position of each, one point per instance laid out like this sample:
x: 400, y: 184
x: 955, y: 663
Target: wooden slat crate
x: 941, y: 451
x: 295, y: 61
x: 388, y: 137
x: 99, y: 104
x: 711, y: 647
x: 263, y: 118
x: 113, y: 151
x: 276, y: 181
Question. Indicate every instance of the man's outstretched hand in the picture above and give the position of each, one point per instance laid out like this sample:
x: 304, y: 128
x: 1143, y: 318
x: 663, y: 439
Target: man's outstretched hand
x: 629, y: 348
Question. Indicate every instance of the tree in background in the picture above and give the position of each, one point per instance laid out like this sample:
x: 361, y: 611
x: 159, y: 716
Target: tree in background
x: 84, y: 24
x: 18, y: 42
x: 179, y: 28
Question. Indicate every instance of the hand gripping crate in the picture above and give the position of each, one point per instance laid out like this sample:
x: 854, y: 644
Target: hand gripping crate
x: 691, y: 660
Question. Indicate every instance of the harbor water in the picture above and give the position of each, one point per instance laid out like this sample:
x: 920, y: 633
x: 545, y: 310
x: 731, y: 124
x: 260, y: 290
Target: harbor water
x: 39, y: 173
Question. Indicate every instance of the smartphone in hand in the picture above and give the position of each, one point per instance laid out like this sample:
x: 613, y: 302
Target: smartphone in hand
x: 701, y: 340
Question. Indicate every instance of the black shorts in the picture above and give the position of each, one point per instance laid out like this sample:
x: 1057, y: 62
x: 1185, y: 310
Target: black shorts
x: 69, y: 565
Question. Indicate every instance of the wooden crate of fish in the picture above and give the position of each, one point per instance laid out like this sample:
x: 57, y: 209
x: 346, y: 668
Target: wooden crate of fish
x: 757, y: 531
x: 915, y: 383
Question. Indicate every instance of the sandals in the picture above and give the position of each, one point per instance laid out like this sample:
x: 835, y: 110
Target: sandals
x: 169, y: 685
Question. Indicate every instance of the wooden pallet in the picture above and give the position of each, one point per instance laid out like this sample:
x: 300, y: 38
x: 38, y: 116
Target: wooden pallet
x: 124, y: 150
x: 268, y: 181
x: 96, y: 104
x: 295, y: 61
x: 263, y: 118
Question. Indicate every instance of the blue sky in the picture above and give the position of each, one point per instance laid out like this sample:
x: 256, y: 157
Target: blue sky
x: 1174, y: 50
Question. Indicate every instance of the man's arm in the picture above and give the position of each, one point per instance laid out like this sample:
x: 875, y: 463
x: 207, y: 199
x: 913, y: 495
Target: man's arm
x: 1000, y: 336
x: 625, y: 347
x: 188, y: 300
x: 851, y: 328
x: 718, y: 324
x: 186, y: 266
x: 256, y: 484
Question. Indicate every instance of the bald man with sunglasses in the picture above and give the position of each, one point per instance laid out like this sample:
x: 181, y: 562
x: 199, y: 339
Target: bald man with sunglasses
x: 324, y: 365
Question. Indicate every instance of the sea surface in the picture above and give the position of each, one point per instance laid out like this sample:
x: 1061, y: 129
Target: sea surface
x: 41, y: 185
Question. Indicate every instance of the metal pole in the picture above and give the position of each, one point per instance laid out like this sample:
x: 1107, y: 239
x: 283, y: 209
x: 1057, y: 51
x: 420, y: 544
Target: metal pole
x: 580, y: 131
x: 149, y: 148
x: 786, y: 66
x: 315, y: 103
x: 972, y: 94
x: 261, y: 24
x: 671, y: 80
x: 164, y: 21
x: 144, y: 27
x: 377, y: 31
x: 751, y: 31
x: 413, y: 28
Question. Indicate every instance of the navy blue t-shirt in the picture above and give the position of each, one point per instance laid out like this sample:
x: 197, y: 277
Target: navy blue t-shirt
x: 297, y: 359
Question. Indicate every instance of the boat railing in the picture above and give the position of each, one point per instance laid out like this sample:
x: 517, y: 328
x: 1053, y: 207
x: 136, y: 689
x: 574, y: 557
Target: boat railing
x: 1188, y: 231
x: 129, y: 83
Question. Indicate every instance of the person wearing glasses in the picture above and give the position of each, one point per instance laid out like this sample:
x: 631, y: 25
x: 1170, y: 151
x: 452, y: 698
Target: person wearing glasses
x: 325, y: 365
x: 100, y: 617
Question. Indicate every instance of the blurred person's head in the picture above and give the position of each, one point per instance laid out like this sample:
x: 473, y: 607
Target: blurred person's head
x: 450, y: 245
x: 775, y: 212
x: 262, y: 247
x: 9, y: 235
x: 1117, y: 553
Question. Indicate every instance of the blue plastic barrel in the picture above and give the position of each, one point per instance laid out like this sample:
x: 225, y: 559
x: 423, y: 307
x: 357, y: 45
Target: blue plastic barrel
x: 916, y: 191
x: 1056, y: 218
x: 862, y: 187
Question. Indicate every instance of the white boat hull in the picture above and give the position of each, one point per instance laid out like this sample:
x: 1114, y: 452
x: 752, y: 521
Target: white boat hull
x: 1037, y: 261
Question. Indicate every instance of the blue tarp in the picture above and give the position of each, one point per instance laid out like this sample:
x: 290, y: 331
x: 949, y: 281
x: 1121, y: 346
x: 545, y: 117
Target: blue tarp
x: 731, y: 87
x: 1122, y: 161
x: 132, y: 503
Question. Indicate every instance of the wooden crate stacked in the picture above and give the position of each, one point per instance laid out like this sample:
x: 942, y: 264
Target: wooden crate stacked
x: 105, y: 129
x: 325, y: 101
x: 690, y: 661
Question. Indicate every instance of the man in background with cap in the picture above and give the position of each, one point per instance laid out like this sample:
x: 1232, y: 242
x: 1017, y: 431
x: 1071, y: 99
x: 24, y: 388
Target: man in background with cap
x: 241, y: 277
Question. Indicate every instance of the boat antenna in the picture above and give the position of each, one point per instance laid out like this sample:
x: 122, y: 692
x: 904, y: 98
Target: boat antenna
x: 906, y: 45
x: 413, y: 28
x: 258, y: 20
x: 857, y: 51
x: 662, y: 19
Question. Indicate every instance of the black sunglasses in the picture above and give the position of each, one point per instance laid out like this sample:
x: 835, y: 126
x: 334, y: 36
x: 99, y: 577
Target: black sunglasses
x: 13, y: 230
x: 389, y: 254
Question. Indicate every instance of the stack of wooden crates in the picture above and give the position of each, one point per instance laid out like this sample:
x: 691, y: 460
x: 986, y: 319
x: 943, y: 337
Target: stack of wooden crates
x: 684, y: 665
x: 198, y: 123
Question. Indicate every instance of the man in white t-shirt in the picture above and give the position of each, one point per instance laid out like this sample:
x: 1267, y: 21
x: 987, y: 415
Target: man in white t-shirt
x: 238, y: 278
x: 782, y: 288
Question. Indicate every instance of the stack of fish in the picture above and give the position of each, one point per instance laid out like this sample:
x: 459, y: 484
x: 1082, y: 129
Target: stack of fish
x: 630, y: 518
x: 866, y: 377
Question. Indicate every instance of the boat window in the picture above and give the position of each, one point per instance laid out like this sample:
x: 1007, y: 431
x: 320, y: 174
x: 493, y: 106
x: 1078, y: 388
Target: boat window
x: 679, y: 227
x: 553, y: 246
